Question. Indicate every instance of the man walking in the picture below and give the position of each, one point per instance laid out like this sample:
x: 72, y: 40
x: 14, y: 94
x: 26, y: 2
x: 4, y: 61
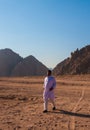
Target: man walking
x: 49, y: 86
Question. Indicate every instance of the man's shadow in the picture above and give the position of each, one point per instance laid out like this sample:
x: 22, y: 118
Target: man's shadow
x: 72, y: 113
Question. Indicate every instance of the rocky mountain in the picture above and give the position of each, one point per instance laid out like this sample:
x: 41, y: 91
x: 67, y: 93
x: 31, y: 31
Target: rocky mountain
x: 78, y: 63
x: 30, y: 66
x: 8, y: 60
x: 11, y: 64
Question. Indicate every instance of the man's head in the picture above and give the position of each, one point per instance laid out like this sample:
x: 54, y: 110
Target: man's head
x: 49, y: 72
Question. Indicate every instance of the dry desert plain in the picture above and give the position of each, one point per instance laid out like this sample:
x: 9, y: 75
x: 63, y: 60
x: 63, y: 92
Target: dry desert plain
x: 21, y: 104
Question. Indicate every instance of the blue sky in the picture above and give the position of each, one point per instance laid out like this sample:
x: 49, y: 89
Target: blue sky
x: 47, y: 29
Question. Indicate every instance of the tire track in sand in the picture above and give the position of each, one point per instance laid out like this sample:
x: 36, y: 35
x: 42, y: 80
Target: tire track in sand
x: 71, y: 123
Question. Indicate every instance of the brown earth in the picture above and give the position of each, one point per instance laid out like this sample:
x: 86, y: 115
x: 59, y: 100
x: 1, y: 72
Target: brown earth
x: 21, y: 104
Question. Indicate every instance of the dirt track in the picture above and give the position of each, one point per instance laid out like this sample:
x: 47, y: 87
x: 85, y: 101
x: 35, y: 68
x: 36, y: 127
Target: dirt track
x: 21, y: 104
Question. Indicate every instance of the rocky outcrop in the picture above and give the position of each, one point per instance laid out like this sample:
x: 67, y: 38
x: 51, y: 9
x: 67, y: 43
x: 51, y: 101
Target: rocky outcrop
x: 78, y: 63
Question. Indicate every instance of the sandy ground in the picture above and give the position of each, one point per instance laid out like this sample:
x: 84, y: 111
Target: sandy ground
x: 21, y: 104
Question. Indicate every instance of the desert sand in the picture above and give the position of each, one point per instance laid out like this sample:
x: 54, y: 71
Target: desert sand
x: 21, y: 104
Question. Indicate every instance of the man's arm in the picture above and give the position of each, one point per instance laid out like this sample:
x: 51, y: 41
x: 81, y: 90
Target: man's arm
x: 54, y: 85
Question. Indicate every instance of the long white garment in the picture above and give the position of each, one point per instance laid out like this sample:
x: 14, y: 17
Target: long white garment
x: 49, y: 82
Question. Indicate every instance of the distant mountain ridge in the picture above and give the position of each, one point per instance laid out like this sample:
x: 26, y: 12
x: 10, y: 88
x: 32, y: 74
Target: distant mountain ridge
x: 30, y: 66
x: 78, y: 63
x: 8, y: 60
x: 11, y: 64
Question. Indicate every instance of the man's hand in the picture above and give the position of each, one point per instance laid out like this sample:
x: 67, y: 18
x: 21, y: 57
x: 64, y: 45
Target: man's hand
x: 51, y: 89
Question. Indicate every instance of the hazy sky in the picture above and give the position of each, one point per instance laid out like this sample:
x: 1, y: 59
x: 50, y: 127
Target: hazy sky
x: 47, y: 29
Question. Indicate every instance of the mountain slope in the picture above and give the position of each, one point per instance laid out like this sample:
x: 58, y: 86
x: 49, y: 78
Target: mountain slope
x: 30, y: 66
x: 8, y: 60
x: 78, y: 63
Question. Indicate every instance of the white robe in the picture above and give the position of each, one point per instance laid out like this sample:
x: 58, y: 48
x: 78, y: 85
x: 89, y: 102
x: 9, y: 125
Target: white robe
x: 49, y: 82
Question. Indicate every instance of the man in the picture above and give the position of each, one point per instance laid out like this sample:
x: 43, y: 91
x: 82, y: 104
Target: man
x: 49, y: 86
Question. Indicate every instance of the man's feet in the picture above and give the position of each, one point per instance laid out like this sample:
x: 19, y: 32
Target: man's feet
x: 45, y: 111
x: 54, y: 108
